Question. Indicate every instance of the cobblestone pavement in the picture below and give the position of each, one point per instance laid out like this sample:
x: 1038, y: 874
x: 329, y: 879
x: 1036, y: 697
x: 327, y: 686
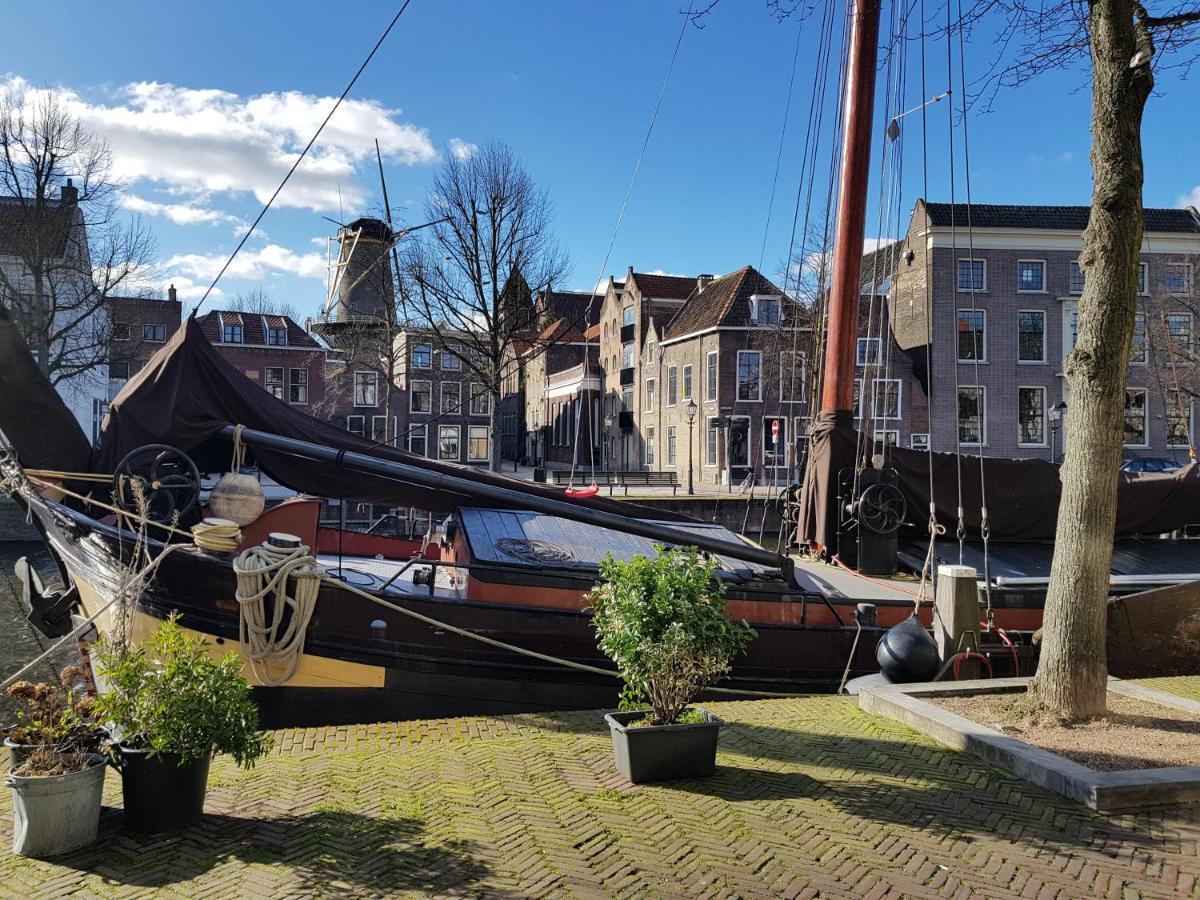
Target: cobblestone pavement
x: 812, y: 798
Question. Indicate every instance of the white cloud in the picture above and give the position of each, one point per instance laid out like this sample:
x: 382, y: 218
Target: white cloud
x: 250, y: 264
x: 179, y: 213
x: 188, y: 140
x: 463, y: 150
x: 1192, y: 199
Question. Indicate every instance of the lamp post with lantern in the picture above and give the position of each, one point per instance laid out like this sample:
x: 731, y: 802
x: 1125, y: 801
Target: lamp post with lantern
x: 1056, y: 414
x: 691, y: 420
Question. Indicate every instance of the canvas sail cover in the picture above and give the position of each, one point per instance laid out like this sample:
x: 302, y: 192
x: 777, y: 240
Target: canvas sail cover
x: 1022, y: 494
x: 189, y: 392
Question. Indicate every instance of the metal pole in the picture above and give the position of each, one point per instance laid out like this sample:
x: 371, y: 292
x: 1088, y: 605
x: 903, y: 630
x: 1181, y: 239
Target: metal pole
x: 691, y: 446
x: 515, y: 499
x: 838, y: 390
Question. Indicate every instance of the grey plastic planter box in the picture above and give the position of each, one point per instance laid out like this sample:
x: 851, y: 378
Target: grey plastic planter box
x: 664, y: 752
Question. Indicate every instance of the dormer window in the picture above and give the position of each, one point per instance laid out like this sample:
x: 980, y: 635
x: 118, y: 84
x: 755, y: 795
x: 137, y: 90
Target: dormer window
x: 231, y: 334
x: 277, y: 337
x: 764, y: 310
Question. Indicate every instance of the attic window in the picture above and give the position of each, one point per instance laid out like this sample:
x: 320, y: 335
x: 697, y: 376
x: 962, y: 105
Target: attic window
x: 231, y: 334
x: 764, y: 310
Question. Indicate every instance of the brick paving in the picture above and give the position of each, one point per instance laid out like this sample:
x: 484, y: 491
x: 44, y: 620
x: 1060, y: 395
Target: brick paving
x: 812, y: 798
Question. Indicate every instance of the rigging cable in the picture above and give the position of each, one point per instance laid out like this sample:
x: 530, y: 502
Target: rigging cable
x: 337, y: 103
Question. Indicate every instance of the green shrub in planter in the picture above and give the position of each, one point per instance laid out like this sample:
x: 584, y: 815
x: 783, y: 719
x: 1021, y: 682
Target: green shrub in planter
x: 663, y: 622
x: 172, y: 707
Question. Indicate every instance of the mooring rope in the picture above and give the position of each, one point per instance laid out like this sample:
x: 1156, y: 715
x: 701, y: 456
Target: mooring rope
x: 273, y: 648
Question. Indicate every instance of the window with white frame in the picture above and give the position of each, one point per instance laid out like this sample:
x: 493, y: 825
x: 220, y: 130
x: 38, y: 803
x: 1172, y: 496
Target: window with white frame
x: 450, y: 361
x: 869, y: 352
x: 749, y: 375
x: 154, y: 334
x: 711, y: 441
x: 273, y: 382
x: 627, y: 355
x: 1179, y: 419
x: 481, y: 400
x: 919, y: 441
x: 1135, y: 417
x: 791, y: 376
x: 1177, y: 278
x: 448, y: 442
x: 356, y: 424
x: 1143, y: 278
x: 420, y: 397
x: 418, y: 442
x: 277, y: 337
x: 858, y: 393
x: 972, y: 415
x: 1031, y: 276
x: 627, y: 316
x: 671, y: 441
x: 422, y: 356
x: 672, y: 385
x: 649, y: 445
x: 651, y: 347
x: 774, y: 446
x: 1031, y: 416
x: 451, y: 397
x: 1179, y: 326
x: 887, y: 437
x: 1077, y: 279
x: 651, y: 386
x: 379, y: 432
x: 764, y: 310
x: 711, y: 376
x: 479, y: 444
x: 687, y: 383
x: 972, y: 275
x: 366, y: 388
x: 1138, y: 353
x: 885, y: 398
x: 298, y: 386
x: 972, y: 335
x: 1031, y: 335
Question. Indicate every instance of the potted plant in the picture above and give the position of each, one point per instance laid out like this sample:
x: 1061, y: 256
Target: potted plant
x: 53, y: 716
x: 56, y: 800
x: 663, y: 622
x: 171, y: 707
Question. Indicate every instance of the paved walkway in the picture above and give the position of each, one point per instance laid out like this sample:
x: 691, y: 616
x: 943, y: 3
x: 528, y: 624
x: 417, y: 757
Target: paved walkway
x: 813, y: 798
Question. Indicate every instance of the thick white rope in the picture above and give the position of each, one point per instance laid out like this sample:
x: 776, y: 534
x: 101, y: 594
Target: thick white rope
x: 273, y: 648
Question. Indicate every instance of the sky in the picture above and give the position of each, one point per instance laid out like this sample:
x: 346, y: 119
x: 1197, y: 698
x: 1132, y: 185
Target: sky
x: 206, y: 110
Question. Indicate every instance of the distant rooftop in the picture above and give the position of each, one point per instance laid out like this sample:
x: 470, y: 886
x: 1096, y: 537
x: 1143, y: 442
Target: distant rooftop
x: 1054, y: 218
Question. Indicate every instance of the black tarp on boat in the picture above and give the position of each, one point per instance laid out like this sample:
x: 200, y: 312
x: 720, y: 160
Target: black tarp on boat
x: 189, y: 392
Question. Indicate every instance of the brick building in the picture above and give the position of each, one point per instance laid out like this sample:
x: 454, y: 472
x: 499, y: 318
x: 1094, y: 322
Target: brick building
x: 273, y: 352
x: 1000, y: 305
x: 138, y: 327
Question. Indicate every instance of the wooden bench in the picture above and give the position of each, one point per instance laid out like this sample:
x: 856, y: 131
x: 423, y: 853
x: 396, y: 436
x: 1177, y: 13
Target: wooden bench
x: 619, y: 479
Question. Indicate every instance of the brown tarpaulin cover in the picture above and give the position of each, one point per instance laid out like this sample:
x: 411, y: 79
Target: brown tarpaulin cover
x: 1022, y: 494
x: 188, y: 392
x: 45, y: 434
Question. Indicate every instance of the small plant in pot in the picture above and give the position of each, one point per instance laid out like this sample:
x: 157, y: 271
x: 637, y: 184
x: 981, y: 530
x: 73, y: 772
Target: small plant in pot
x: 57, y: 776
x: 171, y: 707
x: 663, y: 622
x: 53, y: 716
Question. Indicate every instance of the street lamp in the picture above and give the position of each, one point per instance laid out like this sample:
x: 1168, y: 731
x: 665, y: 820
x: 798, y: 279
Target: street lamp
x: 1056, y: 413
x: 691, y: 420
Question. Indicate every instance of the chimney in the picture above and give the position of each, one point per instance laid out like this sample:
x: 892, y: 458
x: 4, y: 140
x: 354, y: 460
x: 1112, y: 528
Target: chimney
x: 68, y: 194
x: 703, y: 281
x: 171, y: 293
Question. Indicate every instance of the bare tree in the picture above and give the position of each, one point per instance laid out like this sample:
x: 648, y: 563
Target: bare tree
x: 63, y: 247
x: 469, y: 281
x: 260, y: 302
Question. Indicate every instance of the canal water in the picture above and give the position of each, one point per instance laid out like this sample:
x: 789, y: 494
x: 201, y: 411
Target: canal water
x: 19, y: 641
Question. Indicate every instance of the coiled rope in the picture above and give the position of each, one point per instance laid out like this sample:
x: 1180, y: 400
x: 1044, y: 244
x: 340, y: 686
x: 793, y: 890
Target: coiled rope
x: 274, y: 648
x: 217, y: 535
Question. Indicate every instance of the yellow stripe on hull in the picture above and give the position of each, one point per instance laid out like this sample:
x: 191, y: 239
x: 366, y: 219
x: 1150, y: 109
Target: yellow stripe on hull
x: 314, y: 671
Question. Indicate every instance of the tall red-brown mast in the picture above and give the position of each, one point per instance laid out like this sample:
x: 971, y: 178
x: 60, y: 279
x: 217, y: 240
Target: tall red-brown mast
x: 838, y: 390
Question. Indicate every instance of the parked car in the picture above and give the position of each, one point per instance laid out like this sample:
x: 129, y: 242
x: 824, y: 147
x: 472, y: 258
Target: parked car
x: 1150, y: 464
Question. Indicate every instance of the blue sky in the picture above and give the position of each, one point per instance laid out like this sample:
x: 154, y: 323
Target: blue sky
x: 203, y: 110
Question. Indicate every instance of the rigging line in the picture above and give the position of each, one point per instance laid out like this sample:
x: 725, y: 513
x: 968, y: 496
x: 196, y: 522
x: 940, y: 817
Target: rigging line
x: 303, y: 153
x: 961, y: 528
x: 637, y: 167
x: 984, y: 526
x: 787, y: 108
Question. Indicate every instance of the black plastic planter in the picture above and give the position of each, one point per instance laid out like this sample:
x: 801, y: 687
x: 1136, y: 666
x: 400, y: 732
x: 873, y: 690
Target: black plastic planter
x: 664, y: 752
x: 160, y: 793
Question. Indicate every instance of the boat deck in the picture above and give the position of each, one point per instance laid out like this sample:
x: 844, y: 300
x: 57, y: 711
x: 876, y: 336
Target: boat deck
x: 837, y: 583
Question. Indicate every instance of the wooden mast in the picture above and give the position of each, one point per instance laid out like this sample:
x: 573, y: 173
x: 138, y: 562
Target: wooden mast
x: 837, y: 393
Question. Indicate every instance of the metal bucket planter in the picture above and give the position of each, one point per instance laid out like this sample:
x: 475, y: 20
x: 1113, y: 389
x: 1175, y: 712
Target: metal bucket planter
x: 664, y: 752
x: 161, y: 794
x: 56, y: 814
x: 19, y: 752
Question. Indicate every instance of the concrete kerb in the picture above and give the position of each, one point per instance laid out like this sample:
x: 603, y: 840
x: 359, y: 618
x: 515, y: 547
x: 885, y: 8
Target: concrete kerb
x: 1102, y: 791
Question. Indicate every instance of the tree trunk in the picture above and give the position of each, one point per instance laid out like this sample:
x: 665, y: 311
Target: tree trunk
x: 494, y: 463
x: 1072, y: 671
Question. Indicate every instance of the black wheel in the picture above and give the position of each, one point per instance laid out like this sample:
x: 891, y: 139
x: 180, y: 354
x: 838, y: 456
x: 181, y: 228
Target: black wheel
x: 882, y: 508
x: 169, y: 480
